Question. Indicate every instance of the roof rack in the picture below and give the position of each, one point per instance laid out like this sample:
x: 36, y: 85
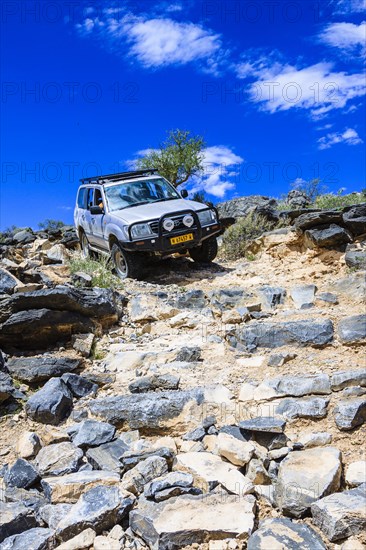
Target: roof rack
x: 117, y: 177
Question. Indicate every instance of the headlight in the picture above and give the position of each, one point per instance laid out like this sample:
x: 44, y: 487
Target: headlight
x: 206, y: 217
x: 141, y: 230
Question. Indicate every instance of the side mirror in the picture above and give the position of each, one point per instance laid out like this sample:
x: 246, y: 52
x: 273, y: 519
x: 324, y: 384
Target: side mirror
x: 96, y: 210
x: 184, y: 193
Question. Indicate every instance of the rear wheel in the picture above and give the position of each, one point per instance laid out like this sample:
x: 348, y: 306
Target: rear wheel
x: 127, y: 264
x: 85, y: 250
x: 206, y: 252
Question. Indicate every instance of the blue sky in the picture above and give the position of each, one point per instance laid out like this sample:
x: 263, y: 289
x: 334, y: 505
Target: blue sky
x: 276, y: 88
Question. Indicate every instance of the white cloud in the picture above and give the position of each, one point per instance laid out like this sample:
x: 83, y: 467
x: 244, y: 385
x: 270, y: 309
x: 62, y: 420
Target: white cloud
x: 348, y: 6
x: 221, y: 166
x: 317, y: 88
x: 158, y: 42
x: 348, y: 37
x: 349, y: 136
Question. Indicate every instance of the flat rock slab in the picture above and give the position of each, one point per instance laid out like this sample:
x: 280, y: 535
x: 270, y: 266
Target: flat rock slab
x: 99, y: 509
x: 341, y: 515
x: 15, y: 518
x: 352, y: 330
x: 283, y: 533
x: 308, y: 332
x: 290, y: 408
x: 70, y: 487
x: 327, y: 236
x: 154, y: 382
x: 187, y: 520
x: 290, y: 386
x: 210, y: 470
x: 344, y: 379
x: 263, y: 424
x: 350, y: 413
x: 38, y: 369
x: 148, y: 410
x: 51, y: 404
x: 58, y: 459
x: 37, y: 538
x: 306, y: 476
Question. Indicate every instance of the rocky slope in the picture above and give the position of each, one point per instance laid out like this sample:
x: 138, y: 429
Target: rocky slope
x: 217, y: 407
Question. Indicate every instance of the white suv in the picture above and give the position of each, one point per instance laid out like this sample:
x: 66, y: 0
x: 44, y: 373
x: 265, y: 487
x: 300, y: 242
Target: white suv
x: 134, y: 214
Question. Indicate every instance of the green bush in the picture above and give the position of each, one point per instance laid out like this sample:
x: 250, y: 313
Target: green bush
x: 48, y: 224
x: 338, y: 200
x: 237, y: 237
x: 99, y: 269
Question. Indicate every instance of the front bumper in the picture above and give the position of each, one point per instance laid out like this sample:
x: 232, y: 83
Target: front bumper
x: 161, y: 241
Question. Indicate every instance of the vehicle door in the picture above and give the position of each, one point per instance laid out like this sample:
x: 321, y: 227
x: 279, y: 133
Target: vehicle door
x: 88, y: 218
x: 98, y: 221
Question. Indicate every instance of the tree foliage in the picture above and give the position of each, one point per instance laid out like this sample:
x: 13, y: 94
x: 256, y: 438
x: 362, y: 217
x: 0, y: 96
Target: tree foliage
x: 49, y: 224
x: 178, y: 158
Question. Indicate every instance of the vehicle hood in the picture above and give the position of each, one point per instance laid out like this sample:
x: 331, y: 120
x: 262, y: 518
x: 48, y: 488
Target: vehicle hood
x: 155, y: 210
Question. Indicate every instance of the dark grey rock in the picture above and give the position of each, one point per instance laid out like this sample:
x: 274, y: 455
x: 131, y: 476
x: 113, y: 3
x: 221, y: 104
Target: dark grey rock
x: 225, y: 298
x: 195, y: 435
x: 148, y: 411
x: 78, y: 385
x: 352, y: 330
x: 175, y: 491
x: 30, y: 498
x: 328, y: 236
x: 21, y: 474
x: 172, y: 479
x: 314, y: 219
x: 107, y: 456
x: 189, y: 354
x: 15, y: 518
x: 38, y: 369
x: 24, y: 237
x: 273, y: 335
x: 271, y: 296
x: 154, y: 382
x: 355, y: 256
x: 6, y: 386
x: 100, y: 509
x: 297, y: 199
x: 354, y: 391
x: 3, y: 368
x: 242, y: 206
x: 37, y: 538
x: 131, y: 458
x: 52, y: 514
x: 328, y: 297
x: 347, y: 378
x: 236, y: 432
x: 271, y: 441
x: 354, y: 217
x: 7, y: 282
x: 91, y: 433
x: 263, y: 424
x: 58, y: 459
x: 279, y: 359
x: 51, y: 404
x: 283, y: 533
x: 350, y: 413
x: 315, y: 407
x: 341, y: 515
x: 208, y: 422
x: 295, y: 386
x: 135, y: 479
x: 192, y: 299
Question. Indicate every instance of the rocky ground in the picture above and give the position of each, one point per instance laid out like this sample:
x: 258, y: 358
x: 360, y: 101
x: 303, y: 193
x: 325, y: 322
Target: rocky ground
x: 217, y: 407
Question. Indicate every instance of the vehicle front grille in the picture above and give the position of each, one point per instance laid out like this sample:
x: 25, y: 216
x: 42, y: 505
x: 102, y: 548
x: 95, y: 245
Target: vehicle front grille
x: 178, y: 226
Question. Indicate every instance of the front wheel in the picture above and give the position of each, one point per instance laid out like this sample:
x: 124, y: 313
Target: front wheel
x: 206, y: 252
x: 84, y: 245
x: 127, y: 264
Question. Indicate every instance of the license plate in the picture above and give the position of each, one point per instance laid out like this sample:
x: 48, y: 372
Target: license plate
x: 182, y: 238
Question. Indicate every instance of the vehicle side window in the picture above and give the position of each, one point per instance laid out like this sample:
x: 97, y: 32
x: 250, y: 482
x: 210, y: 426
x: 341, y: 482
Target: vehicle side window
x: 98, y: 198
x: 81, y: 198
x: 90, y: 198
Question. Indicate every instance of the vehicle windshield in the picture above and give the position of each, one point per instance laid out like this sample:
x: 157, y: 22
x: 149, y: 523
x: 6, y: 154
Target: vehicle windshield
x: 133, y: 193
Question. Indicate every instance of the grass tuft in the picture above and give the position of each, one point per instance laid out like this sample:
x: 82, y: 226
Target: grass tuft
x: 99, y: 269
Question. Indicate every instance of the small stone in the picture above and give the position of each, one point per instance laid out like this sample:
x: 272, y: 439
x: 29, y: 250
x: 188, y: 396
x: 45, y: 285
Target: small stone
x: 257, y: 473
x: 279, y: 359
x: 153, y: 383
x: 171, y: 479
x: 91, y: 433
x: 84, y: 540
x: 195, y: 435
x: 347, y: 378
x: 78, y: 385
x: 235, y: 451
x: 263, y: 424
x: 135, y: 479
x: 83, y: 343
x: 303, y: 296
x: 314, y: 439
x: 352, y: 330
x: 15, y: 518
x: 51, y: 404
x: 28, y: 445
x: 350, y: 413
x: 189, y: 353
x: 284, y: 533
x: 21, y: 474
x: 58, y: 459
x: 107, y: 456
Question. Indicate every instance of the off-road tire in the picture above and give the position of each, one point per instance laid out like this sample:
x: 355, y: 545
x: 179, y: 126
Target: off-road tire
x: 206, y: 252
x: 84, y: 246
x: 127, y: 264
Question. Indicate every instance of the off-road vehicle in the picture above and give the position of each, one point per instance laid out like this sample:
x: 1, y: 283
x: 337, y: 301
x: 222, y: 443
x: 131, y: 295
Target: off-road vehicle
x: 133, y: 215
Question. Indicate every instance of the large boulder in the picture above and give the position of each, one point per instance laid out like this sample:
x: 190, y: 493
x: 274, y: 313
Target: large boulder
x: 327, y: 236
x: 21, y: 474
x: 51, y: 404
x: 107, y: 456
x: 15, y: 518
x: 354, y: 217
x: 308, y: 332
x: 306, y: 476
x: 242, y: 206
x: 341, y: 515
x: 99, y: 508
x: 314, y: 219
x: 37, y: 538
x: 58, y: 459
x: 79, y: 385
x: 7, y: 282
x: 38, y: 369
x: 284, y: 533
x: 186, y: 520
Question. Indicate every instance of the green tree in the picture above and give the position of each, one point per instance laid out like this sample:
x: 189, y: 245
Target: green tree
x: 178, y: 158
x: 48, y: 224
x: 311, y: 188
